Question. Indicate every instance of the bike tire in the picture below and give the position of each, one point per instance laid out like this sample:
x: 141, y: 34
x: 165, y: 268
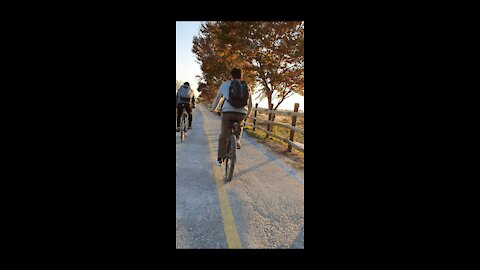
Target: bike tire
x: 182, y: 128
x: 231, y: 158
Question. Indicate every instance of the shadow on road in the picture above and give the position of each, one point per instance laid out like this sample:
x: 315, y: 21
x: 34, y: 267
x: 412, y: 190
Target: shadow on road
x: 256, y: 167
x: 299, y: 241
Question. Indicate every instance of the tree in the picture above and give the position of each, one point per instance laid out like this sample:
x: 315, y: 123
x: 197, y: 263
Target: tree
x: 215, y: 65
x: 212, y: 66
x: 270, y: 53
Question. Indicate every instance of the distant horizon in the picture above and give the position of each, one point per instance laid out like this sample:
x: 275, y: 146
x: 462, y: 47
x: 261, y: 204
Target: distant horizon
x: 287, y: 104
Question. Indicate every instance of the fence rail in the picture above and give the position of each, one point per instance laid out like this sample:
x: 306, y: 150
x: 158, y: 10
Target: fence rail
x: 299, y: 130
x: 271, y: 122
x: 289, y: 113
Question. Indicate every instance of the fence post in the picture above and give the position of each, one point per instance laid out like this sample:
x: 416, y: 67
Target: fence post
x: 255, y: 120
x: 294, y: 123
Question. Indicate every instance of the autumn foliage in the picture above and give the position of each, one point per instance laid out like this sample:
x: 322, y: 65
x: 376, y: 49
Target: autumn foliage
x: 271, y: 54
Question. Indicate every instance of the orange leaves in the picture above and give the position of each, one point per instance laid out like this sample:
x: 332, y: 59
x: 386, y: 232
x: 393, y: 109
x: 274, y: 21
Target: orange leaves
x: 267, y: 51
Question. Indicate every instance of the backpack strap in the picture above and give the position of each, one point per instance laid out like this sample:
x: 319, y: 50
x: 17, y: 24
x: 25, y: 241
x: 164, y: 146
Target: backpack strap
x: 230, y: 87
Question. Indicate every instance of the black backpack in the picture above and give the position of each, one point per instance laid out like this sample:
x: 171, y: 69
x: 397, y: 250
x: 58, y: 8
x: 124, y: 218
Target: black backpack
x: 238, y: 94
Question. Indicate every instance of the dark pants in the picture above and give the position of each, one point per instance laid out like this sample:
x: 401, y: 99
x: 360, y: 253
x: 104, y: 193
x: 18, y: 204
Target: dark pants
x: 225, y: 132
x: 189, y: 112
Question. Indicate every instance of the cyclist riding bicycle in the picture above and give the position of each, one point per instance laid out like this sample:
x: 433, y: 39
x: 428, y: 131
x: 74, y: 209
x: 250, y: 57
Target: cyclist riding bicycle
x: 185, y: 99
x: 233, y: 109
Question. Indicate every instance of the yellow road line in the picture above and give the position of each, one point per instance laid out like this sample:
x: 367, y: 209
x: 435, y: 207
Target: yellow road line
x: 229, y: 225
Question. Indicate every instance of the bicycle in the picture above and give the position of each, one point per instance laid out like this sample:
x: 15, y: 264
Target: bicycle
x: 183, y: 124
x: 231, y: 155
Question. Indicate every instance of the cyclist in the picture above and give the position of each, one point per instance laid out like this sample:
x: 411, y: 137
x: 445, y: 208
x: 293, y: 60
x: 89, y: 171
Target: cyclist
x: 185, y: 99
x: 230, y: 109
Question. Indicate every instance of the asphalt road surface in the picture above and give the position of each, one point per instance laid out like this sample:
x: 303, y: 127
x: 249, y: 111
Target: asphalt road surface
x: 263, y: 206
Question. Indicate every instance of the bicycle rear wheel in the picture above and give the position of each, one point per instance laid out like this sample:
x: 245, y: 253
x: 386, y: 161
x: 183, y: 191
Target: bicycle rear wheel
x: 182, y: 128
x: 231, y: 158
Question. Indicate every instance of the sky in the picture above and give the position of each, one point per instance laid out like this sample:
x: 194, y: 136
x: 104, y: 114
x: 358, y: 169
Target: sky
x: 186, y: 63
x: 187, y: 67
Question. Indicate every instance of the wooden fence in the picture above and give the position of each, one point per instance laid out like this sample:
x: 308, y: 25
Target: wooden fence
x: 271, y: 122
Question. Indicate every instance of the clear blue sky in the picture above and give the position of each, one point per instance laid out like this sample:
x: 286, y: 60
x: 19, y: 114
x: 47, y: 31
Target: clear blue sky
x: 186, y: 66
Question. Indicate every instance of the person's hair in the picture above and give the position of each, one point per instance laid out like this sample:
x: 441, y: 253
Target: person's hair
x: 236, y: 73
x: 186, y: 83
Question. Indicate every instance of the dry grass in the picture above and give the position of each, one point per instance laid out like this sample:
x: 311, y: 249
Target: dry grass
x: 276, y: 145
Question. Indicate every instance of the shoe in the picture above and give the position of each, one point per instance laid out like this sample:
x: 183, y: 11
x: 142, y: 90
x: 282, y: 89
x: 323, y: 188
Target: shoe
x: 189, y: 127
x: 178, y: 129
x: 239, y: 145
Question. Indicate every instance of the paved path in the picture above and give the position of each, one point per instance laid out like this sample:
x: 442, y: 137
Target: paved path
x: 263, y: 206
